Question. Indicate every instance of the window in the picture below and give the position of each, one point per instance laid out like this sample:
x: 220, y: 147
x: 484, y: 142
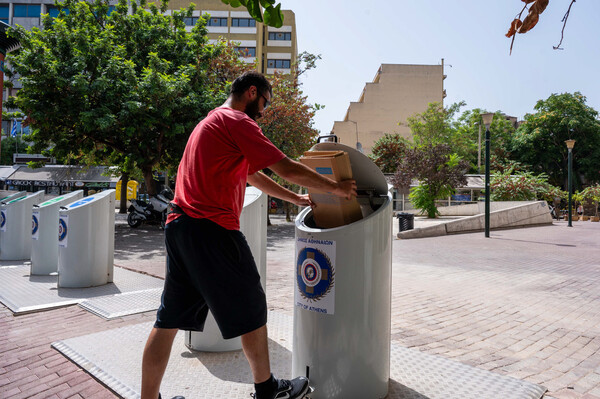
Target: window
x: 217, y: 22
x: 280, y: 36
x: 243, y: 22
x: 53, y: 11
x: 190, y: 21
x: 278, y: 64
x: 4, y: 14
x: 246, y: 51
x: 27, y: 10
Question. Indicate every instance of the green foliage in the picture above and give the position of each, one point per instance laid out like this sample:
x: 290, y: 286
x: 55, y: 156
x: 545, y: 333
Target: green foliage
x: 540, y: 140
x: 438, y: 171
x: 125, y: 89
x: 470, y: 129
x: 439, y: 125
x: 8, y: 148
x: 388, y: 151
x: 592, y: 193
x: 272, y: 13
x: 523, y: 186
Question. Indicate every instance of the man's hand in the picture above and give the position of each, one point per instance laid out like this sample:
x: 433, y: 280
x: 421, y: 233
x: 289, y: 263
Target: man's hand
x: 304, y: 200
x: 346, y: 189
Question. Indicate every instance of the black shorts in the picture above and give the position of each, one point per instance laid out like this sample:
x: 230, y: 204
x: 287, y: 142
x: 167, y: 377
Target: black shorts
x: 210, y: 267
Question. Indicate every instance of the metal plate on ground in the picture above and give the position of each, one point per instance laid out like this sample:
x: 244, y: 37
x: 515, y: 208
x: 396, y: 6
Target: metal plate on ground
x: 414, y: 375
x: 24, y: 293
x: 113, y: 306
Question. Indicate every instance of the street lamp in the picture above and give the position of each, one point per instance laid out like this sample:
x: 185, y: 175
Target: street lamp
x: 358, y: 144
x: 487, y: 121
x: 570, y: 145
x: 479, y: 148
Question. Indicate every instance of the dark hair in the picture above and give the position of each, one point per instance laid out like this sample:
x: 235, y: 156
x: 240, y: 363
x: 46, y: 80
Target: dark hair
x: 251, y: 78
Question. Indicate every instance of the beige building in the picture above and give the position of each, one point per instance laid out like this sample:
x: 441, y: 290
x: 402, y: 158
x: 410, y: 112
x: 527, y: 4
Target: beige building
x: 396, y: 92
x: 273, y: 49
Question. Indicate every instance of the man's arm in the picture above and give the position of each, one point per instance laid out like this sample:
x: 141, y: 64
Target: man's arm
x: 298, y: 173
x: 267, y: 185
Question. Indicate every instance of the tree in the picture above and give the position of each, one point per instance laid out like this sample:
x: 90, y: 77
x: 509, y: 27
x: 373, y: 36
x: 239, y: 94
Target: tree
x: 470, y: 128
x: 11, y: 145
x: 438, y: 171
x: 388, y: 151
x: 540, y: 140
x: 288, y: 122
x: 533, y: 15
x: 115, y: 87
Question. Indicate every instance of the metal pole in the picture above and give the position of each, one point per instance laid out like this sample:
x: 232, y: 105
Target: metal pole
x: 569, y: 184
x: 479, y: 150
x: 487, y: 182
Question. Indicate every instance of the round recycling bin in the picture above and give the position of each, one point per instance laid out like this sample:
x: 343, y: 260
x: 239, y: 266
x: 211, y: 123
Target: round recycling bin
x: 44, y: 233
x: 253, y: 224
x: 342, y: 312
x: 86, y: 241
x: 15, y: 226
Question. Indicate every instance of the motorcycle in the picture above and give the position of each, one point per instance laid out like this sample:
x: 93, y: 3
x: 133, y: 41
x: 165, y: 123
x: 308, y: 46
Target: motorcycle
x: 154, y: 211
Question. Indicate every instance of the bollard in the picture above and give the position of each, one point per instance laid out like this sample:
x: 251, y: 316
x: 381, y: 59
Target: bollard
x: 15, y: 226
x: 86, y: 240
x: 253, y: 223
x: 44, y: 233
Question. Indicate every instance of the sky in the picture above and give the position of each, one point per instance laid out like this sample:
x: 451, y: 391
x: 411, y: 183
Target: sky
x: 355, y: 37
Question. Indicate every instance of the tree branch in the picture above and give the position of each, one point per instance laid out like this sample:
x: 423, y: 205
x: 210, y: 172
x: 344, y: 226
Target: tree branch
x: 515, y: 34
x: 562, y: 33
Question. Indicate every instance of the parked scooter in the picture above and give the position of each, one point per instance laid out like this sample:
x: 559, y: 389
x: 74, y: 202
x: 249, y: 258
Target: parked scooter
x: 154, y: 211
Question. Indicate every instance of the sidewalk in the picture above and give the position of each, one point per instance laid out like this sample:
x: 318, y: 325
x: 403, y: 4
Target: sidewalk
x: 523, y: 303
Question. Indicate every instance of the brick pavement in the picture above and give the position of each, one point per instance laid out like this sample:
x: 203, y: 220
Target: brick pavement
x: 524, y: 303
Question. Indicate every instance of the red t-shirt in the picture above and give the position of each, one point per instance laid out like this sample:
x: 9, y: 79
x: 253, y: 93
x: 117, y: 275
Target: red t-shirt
x: 222, y: 151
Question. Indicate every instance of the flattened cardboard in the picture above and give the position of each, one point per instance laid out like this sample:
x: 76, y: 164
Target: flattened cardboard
x: 331, y: 211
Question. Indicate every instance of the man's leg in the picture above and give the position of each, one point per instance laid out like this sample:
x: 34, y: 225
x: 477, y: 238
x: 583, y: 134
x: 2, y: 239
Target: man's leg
x: 154, y: 362
x: 256, y: 349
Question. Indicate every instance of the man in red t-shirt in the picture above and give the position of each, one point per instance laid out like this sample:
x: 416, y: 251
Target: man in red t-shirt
x: 209, y: 263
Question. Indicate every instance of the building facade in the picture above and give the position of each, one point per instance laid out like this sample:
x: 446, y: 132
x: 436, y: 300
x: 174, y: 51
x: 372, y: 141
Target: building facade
x: 273, y: 49
x: 396, y: 93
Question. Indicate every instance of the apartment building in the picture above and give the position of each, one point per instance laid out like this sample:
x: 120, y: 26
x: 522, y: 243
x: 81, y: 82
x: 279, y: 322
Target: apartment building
x: 396, y: 93
x: 273, y: 49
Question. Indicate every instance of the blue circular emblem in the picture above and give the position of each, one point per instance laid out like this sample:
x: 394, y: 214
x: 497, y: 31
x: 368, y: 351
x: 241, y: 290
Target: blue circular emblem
x: 62, y: 229
x: 314, y: 274
x: 34, y: 224
x: 2, y: 219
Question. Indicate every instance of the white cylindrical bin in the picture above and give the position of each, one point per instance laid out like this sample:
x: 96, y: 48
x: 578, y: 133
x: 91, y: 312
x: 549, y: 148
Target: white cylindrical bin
x: 86, y: 241
x: 7, y: 197
x: 253, y: 223
x: 44, y: 233
x: 342, y: 312
x: 15, y: 226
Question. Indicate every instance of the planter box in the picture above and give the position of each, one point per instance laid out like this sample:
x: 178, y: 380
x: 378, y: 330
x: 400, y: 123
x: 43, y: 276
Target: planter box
x: 583, y: 218
x: 595, y: 219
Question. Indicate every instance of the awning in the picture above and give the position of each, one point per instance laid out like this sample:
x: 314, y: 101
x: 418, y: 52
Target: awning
x: 63, y: 176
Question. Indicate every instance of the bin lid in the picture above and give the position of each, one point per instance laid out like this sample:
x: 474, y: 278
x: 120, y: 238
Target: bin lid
x: 367, y: 175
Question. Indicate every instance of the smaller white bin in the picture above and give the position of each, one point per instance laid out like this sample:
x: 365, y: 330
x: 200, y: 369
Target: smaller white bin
x: 15, y: 226
x: 253, y: 224
x: 86, y: 241
x: 44, y: 233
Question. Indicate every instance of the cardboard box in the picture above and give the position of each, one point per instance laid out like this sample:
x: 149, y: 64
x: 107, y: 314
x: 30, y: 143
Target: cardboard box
x: 331, y: 210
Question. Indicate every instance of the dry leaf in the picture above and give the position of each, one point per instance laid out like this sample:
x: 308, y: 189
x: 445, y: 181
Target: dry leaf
x: 527, y: 1
x: 529, y: 22
x: 514, y: 26
x: 539, y: 6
